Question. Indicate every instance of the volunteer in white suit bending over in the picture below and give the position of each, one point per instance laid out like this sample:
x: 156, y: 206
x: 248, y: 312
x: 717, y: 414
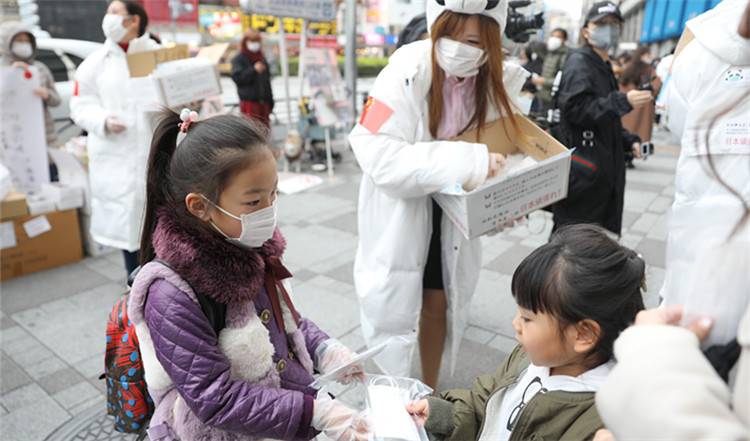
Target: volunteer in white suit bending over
x: 118, y: 140
x: 413, y: 267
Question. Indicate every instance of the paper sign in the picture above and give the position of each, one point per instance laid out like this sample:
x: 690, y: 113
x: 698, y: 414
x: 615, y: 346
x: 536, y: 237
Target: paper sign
x: 290, y: 183
x: 23, y: 144
x: 318, y: 10
x: 7, y: 235
x: 37, y: 226
x: 141, y: 64
x: 328, y: 89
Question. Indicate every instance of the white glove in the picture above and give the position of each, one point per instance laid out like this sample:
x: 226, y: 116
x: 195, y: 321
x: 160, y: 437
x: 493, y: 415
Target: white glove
x: 339, y: 422
x: 332, y: 354
x: 114, y: 125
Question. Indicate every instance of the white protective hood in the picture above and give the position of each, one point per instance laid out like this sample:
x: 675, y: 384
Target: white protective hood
x: 499, y: 12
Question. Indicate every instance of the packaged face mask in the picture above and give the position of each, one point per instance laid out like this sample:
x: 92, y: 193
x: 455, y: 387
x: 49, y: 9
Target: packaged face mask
x: 389, y: 417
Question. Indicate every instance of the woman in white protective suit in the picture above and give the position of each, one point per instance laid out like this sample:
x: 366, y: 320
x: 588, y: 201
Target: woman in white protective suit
x: 105, y: 104
x: 413, y: 267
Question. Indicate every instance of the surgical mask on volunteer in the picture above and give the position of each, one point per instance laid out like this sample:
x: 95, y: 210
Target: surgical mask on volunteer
x: 22, y: 50
x: 605, y: 36
x: 257, y: 227
x: 113, y: 28
x: 459, y: 59
x: 554, y: 43
x: 253, y: 46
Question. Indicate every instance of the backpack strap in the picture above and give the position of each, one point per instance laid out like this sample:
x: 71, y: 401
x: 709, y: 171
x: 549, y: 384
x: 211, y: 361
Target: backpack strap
x: 215, y: 312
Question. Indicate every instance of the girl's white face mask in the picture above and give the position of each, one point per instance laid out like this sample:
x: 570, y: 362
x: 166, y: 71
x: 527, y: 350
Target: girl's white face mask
x: 459, y: 59
x: 257, y: 227
x: 22, y: 50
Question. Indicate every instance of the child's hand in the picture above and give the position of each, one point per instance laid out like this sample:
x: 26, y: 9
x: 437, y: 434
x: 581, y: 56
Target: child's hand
x: 604, y: 435
x: 42, y: 93
x: 420, y: 411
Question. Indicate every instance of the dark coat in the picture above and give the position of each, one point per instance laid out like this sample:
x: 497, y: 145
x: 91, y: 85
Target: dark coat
x: 251, y: 85
x: 591, y: 104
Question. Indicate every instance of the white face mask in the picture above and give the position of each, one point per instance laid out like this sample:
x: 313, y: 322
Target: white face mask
x: 22, y: 50
x: 554, y: 43
x: 253, y: 46
x: 113, y: 28
x: 257, y: 227
x: 459, y: 59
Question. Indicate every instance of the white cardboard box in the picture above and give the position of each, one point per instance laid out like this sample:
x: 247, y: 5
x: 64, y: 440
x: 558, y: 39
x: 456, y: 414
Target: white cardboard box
x: 185, y: 81
x: 499, y: 201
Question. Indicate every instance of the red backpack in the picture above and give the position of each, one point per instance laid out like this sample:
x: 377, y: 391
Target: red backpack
x: 127, y: 394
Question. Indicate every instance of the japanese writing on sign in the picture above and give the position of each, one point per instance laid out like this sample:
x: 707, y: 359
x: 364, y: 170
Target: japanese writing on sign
x: 316, y: 10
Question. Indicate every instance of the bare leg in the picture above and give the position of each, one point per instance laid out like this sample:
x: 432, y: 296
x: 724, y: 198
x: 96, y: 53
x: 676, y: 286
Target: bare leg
x: 432, y: 332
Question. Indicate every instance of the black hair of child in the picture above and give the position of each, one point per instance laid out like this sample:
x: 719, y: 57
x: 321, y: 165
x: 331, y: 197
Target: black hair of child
x: 580, y: 274
x: 208, y: 156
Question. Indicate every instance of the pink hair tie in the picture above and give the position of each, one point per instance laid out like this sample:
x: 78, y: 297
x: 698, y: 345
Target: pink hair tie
x: 187, y: 117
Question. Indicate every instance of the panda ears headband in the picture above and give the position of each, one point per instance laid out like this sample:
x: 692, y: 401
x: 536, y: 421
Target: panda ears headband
x: 490, y: 3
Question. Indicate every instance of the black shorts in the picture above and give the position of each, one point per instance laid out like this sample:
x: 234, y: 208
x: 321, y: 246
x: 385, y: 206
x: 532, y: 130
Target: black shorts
x: 433, y: 269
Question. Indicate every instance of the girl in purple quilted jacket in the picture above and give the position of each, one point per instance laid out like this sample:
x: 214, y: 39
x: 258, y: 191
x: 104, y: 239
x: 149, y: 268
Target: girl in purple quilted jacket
x: 237, y: 364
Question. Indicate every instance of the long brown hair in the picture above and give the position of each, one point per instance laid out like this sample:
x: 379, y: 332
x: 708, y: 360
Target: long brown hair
x: 489, y: 79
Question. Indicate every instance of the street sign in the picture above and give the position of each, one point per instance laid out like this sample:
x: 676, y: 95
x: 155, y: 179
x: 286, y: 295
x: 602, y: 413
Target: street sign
x: 316, y: 10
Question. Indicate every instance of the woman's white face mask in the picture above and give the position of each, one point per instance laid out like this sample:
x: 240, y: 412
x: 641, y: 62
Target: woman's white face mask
x: 459, y: 59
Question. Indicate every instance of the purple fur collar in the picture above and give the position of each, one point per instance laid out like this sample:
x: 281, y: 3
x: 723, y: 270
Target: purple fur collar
x: 213, y: 266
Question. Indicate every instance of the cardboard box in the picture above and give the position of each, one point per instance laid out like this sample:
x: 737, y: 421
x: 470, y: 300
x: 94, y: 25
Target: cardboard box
x: 35, y: 243
x: 141, y: 64
x: 14, y: 205
x: 516, y: 194
x: 185, y: 81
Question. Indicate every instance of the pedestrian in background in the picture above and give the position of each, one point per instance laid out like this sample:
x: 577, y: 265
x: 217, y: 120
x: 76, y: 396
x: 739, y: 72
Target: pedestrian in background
x: 18, y: 49
x: 117, y: 140
x: 640, y: 74
x: 591, y: 106
x: 414, y: 268
x: 252, y: 76
x: 557, y: 54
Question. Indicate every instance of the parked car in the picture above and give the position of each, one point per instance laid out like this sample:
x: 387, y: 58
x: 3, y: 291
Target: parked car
x: 63, y: 56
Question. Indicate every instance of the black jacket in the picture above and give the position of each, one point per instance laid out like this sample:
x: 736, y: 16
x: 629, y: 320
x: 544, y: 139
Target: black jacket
x: 591, y: 106
x: 251, y: 85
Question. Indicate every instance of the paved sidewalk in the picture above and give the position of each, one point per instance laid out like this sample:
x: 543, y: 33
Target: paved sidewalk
x: 52, y: 323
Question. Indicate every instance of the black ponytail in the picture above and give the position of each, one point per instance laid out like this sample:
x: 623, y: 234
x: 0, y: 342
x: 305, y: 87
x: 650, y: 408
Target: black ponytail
x: 204, y: 161
x: 163, y: 146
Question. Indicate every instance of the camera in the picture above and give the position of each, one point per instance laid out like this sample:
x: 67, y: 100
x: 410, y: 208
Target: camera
x: 647, y: 86
x: 519, y: 27
x: 647, y: 149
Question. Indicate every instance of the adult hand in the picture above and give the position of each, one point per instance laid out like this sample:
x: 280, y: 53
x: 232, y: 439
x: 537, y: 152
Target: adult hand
x: 114, y: 125
x: 496, y: 163
x: 604, y: 435
x: 637, y: 150
x: 339, y: 422
x: 21, y: 65
x: 671, y: 315
x: 420, y: 411
x: 42, y: 93
x: 639, y: 98
x: 259, y: 67
x: 336, y: 355
x: 537, y: 80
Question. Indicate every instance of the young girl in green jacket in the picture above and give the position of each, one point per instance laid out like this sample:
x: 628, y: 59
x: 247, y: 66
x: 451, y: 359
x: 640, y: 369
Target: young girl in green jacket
x: 575, y: 295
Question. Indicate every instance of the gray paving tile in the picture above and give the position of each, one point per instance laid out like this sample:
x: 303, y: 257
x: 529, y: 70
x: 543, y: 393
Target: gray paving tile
x: 91, y: 367
x: 478, y: 335
x: 303, y: 275
x: 12, y: 333
x: 32, y: 356
x: 6, y: 322
x: 46, y: 367
x: 346, y: 222
x: 639, y: 201
x: 644, y: 223
x: 493, y: 306
x: 22, y: 397
x: 3, y: 410
x: 39, y: 288
x: 654, y: 251
x: 348, y: 189
x: 11, y: 375
x: 494, y: 246
x: 106, y: 267
x: 474, y: 359
x: 661, y: 204
x: 34, y: 422
x: 76, y: 394
x: 507, y: 262
x: 99, y: 401
x: 59, y: 380
x: 343, y: 273
x: 503, y: 343
x: 334, y: 312
x: 629, y: 218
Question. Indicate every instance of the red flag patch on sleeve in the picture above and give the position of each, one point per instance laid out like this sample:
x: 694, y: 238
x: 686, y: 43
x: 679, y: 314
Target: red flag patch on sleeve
x: 75, y: 88
x: 374, y: 115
